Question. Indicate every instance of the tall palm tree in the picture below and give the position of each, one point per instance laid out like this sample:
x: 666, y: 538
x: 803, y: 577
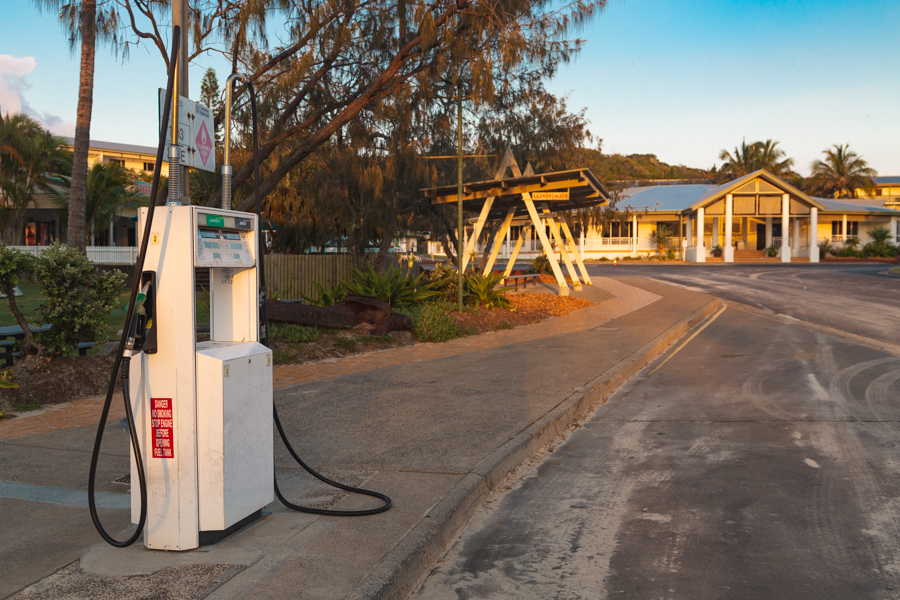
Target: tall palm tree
x: 773, y: 159
x: 742, y: 162
x: 31, y: 160
x: 841, y: 173
x: 109, y: 194
x: 758, y: 155
x: 82, y: 20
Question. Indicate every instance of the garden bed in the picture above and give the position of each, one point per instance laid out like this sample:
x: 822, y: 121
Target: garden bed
x: 63, y: 380
x: 856, y: 259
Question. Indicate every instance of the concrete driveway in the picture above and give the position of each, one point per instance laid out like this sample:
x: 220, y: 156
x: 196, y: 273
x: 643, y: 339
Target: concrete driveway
x: 758, y: 461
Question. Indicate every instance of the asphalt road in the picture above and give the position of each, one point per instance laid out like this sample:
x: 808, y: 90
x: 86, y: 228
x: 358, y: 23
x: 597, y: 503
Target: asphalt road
x: 857, y: 298
x: 758, y: 461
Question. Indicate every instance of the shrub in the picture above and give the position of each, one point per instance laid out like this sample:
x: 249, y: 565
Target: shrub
x: 442, y: 280
x: 392, y: 287
x: 14, y: 263
x: 671, y: 254
x: 294, y: 334
x: 541, y: 264
x: 327, y: 297
x: 849, y: 251
x: 825, y: 248
x: 482, y: 290
x: 78, y: 298
x: 717, y: 250
x: 431, y: 322
x: 772, y: 251
x: 880, y: 245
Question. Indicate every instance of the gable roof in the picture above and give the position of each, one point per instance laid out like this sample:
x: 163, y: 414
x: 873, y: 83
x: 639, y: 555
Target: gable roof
x: 663, y: 198
x: 716, y: 194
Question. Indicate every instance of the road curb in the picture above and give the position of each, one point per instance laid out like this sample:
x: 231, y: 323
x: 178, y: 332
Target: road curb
x: 398, y: 573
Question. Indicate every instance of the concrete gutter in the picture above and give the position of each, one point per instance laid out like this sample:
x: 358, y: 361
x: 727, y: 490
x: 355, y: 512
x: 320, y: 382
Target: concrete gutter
x: 402, y: 569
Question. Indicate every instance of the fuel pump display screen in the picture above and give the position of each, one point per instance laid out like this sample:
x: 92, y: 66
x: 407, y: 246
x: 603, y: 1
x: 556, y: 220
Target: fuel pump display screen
x: 222, y: 248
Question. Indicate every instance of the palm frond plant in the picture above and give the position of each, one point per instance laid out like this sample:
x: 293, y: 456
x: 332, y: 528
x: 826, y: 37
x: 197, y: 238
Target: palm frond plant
x: 660, y: 237
x: 482, y: 290
x: 540, y: 264
x: 880, y: 244
x: 391, y: 287
x: 326, y: 296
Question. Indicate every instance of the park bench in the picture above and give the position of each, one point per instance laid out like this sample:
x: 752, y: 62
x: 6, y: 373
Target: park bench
x: 515, y: 279
x: 6, y: 351
x: 14, y: 334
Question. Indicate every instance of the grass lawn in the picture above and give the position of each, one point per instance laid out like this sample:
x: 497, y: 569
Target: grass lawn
x: 32, y: 298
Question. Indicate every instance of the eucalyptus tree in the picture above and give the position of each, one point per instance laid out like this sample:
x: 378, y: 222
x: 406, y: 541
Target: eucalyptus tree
x: 84, y: 22
x: 841, y: 173
x: 340, y: 58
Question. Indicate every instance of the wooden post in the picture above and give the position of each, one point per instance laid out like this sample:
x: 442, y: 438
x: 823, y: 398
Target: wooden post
x: 561, y: 244
x: 579, y: 259
x: 523, y: 234
x: 479, y: 225
x: 545, y: 244
x: 498, y: 240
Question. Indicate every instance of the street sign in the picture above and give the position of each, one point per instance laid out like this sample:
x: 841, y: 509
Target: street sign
x: 550, y: 195
x: 196, y: 133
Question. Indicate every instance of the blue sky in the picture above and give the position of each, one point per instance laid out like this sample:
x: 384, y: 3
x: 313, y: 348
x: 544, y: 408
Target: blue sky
x: 681, y: 80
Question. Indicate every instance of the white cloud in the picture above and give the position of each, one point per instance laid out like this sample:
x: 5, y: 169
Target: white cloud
x: 13, y: 85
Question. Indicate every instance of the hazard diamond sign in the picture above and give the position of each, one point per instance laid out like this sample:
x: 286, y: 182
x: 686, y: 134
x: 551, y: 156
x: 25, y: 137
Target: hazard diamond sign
x: 195, y: 133
x: 203, y: 142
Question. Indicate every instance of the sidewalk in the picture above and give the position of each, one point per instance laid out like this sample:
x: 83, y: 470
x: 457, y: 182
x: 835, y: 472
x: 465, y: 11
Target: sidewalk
x: 434, y: 426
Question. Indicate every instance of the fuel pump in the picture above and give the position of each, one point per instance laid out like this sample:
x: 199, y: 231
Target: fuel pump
x: 200, y: 414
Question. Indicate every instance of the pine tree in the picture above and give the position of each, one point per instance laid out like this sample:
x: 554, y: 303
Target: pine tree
x: 211, y: 97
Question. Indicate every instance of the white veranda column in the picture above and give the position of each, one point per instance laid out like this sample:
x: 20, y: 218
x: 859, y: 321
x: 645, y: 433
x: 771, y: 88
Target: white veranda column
x: 768, y: 231
x: 745, y: 232
x: 729, y: 219
x: 813, y: 234
x: 634, y: 235
x: 844, y: 231
x: 701, y: 226
x: 795, y: 239
x: 581, y: 243
x: 689, y: 236
x: 716, y: 238
x: 785, y: 228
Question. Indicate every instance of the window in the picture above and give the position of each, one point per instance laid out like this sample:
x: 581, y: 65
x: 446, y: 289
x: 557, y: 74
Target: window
x: 852, y: 228
x: 149, y: 166
x: 617, y: 229
x: 118, y: 161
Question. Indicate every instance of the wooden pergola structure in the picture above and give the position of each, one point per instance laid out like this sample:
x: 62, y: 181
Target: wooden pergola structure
x: 519, y: 195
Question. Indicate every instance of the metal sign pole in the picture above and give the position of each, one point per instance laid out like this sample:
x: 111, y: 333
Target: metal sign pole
x: 182, y: 175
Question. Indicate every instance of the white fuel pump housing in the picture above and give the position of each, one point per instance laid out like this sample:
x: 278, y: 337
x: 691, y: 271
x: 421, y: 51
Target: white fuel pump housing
x: 203, y: 410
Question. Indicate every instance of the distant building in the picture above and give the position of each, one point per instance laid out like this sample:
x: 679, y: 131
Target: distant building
x: 42, y: 225
x: 887, y: 192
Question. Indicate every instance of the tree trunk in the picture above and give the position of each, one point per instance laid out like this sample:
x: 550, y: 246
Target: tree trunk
x: 76, y: 233
x: 29, y: 344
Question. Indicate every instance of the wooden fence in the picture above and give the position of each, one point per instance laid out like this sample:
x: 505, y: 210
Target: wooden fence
x: 289, y: 275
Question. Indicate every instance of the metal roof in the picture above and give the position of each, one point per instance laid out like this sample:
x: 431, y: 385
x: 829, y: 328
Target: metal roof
x: 889, y: 180
x: 837, y: 206
x: 115, y: 147
x: 665, y: 198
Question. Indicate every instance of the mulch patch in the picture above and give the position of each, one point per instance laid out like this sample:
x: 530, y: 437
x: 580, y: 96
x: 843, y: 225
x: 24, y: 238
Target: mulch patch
x: 528, y: 308
x: 60, y: 380
x: 52, y: 381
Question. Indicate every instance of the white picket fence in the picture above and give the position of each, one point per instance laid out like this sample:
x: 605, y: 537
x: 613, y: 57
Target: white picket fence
x: 103, y: 255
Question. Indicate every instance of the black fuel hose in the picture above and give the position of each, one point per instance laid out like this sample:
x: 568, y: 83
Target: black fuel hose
x: 128, y: 336
x: 264, y: 338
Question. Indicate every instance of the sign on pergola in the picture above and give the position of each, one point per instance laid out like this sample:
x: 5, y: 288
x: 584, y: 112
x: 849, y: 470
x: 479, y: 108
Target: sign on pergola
x: 517, y: 196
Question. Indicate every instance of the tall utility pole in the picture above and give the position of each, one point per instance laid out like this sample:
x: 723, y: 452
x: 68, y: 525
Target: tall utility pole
x: 180, y: 18
x: 459, y: 192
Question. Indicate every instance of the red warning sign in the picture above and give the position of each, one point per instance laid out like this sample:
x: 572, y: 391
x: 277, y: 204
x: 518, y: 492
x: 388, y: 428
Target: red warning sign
x: 161, y: 422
